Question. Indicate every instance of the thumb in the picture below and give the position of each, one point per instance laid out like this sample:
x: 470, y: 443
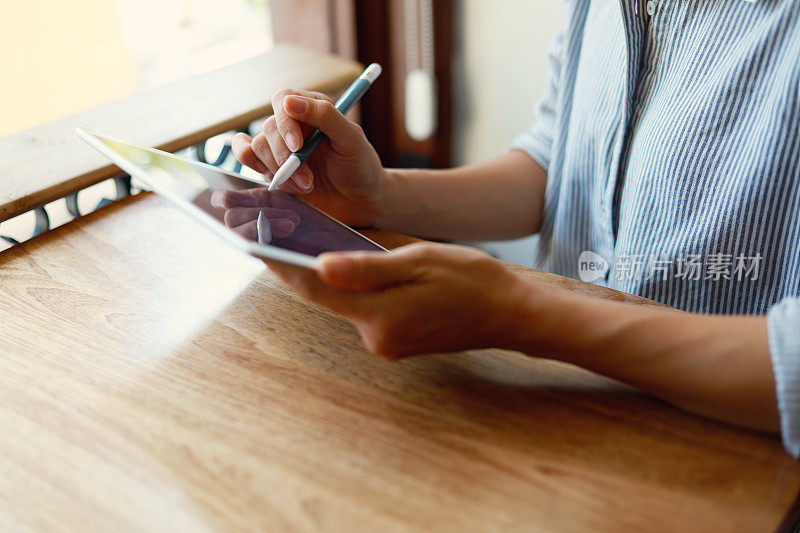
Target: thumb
x: 366, y: 271
x: 344, y: 134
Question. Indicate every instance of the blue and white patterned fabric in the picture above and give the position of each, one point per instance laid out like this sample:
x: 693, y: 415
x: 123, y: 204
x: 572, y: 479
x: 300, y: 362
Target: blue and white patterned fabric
x: 673, y: 158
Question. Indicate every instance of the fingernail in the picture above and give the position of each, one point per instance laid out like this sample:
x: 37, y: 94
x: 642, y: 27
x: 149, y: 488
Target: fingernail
x: 303, y: 180
x: 295, y: 104
x: 292, y: 142
x: 283, y: 226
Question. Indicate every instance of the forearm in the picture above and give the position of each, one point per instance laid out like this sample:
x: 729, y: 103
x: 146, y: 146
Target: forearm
x: 497, y: 199
x: 715, y: 366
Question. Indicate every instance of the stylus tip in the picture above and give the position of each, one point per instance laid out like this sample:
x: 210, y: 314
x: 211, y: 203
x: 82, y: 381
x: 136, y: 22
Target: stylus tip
x: 285, y: 172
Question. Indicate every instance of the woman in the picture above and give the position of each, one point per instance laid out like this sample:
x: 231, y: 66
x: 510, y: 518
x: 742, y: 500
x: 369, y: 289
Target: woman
x: 664, y: 163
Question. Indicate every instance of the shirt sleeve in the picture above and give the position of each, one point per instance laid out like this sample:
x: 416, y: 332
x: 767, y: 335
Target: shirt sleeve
x: 783, y: 323
x: 537, y: 142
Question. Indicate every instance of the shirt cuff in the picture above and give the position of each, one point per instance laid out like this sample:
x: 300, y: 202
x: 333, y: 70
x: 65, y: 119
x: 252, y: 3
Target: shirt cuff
x: 536, y: 145
x: 783, y: 324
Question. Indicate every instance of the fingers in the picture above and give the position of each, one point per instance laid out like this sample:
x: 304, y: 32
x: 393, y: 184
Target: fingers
x: 245, y: 154
x: 346, y: 137
x: 302, y: 176
x: 379, y: 317
x: 309, y: 286
x: 271, y: 148
x: 370, y: 271
x: 280, y: 152
x: 263, y: 151
x: 290, y: 129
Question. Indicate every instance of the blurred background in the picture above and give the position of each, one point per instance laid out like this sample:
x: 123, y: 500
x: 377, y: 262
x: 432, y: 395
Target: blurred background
x: 477, y: 66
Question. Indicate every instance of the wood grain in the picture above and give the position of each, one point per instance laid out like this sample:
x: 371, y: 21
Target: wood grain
x: 153, y: 378
x: 48, y: 162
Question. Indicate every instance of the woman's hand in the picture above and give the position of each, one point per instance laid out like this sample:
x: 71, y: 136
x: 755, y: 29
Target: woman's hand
x: 437, y: 298
x: 421, y: 298
x: 344, y: 177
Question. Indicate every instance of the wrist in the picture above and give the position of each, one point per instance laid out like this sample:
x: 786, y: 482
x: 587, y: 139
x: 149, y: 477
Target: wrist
x: 383, y: 213
x: 542, y: 319
x: 556, y: 323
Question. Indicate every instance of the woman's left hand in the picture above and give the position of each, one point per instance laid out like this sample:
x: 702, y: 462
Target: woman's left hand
x: 421, y: 298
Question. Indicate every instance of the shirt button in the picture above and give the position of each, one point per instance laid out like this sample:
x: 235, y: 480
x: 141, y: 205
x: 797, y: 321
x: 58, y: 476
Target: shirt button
x: 651, y: 7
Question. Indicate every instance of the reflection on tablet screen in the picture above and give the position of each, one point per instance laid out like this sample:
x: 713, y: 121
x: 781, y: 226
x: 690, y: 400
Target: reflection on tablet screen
x: 277, y: 218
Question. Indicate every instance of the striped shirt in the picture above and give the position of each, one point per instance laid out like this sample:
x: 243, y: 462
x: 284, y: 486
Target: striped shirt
x: 673, y: 158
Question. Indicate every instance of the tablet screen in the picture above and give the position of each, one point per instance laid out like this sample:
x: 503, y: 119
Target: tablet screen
x: 245, y: 207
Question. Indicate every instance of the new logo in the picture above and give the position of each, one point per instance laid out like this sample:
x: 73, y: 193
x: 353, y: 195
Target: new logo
x: 591, y: 266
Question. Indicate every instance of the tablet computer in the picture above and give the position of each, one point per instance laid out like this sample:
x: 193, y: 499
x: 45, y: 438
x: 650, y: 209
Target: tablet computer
x: 271, y: 225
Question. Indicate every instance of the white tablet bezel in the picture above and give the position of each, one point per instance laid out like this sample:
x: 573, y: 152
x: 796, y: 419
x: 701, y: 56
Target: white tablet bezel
x: 263, y: 251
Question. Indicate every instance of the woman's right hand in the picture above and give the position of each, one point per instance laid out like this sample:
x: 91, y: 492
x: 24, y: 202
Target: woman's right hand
x: 344, y: 177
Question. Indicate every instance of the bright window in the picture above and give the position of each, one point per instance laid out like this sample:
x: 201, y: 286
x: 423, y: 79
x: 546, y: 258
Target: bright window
x: 60, y: 57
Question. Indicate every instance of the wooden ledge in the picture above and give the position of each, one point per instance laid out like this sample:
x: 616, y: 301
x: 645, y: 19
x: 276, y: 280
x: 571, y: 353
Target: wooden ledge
x: 48, y: 162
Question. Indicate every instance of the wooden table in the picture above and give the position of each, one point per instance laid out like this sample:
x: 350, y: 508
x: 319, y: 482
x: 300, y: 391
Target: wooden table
x: 152, y: 378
